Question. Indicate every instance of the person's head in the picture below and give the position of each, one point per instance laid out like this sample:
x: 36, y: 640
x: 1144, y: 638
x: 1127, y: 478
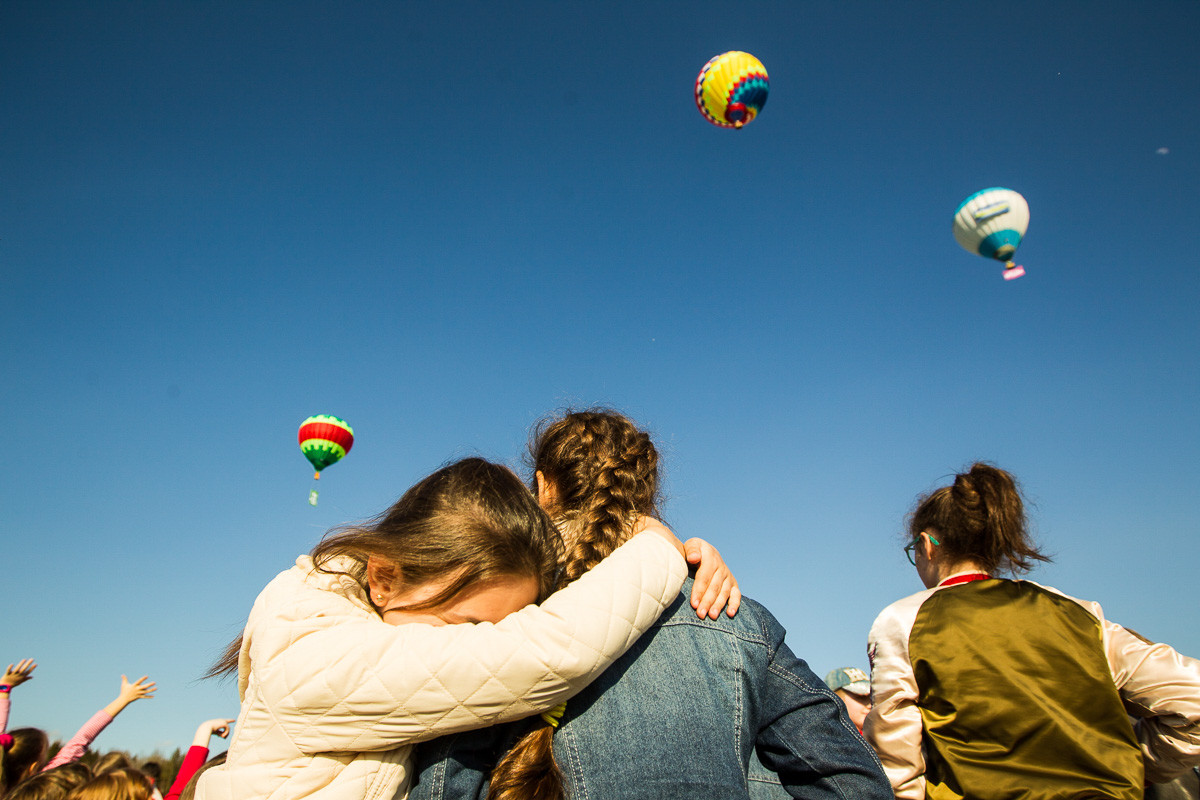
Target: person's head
x: 853, y: 686
x: 468, y: 543
x: 978, y: 519
x: 153, y: 770
x: 118, y: 784
x: 597, y: 472
x: 23, y: 753
x: 53, y: 784
x: 110, y: 762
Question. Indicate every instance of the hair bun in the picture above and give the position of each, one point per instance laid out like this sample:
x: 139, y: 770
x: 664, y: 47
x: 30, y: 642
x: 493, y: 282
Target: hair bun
x: 964, y: 491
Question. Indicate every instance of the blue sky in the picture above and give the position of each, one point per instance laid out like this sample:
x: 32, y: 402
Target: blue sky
x: 442, y: 221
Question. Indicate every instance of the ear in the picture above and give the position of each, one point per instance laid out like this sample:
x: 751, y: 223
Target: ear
x: 928, y: 547
x: 546, y: 494
x: 383, y: 578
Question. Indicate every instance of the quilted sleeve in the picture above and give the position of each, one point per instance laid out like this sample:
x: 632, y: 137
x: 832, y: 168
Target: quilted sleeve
x: 364, y: 685
x: 894, y: 726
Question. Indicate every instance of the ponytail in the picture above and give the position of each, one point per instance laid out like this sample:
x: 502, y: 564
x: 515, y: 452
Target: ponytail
x: 528, y: 770
x: 23, y: 755
x: 980, y: 517
x: 604, y: 472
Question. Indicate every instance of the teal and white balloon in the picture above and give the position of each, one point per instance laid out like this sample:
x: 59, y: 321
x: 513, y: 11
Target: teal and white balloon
x: 991, y: 223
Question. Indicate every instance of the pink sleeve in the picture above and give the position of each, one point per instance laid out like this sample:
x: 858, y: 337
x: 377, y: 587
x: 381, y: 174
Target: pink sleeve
x: 195, y: 758
x: 72, y: 750
x: 4, y: 704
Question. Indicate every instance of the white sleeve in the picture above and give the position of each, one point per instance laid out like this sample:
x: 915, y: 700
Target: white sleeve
x: 893, y: 726
x: 1162, y: 689
x: 364, y: 685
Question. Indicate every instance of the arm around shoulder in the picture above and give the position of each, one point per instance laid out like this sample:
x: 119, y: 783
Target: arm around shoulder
x: 389, y: 685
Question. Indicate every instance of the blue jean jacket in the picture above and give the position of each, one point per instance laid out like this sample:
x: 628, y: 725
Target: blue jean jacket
x: 696, y: 708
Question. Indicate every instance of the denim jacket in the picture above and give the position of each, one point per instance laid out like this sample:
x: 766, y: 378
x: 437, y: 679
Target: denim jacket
x: 696, y: 708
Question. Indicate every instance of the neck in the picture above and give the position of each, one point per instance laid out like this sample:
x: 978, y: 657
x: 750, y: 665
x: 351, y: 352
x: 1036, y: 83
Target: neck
x: 944, y: 569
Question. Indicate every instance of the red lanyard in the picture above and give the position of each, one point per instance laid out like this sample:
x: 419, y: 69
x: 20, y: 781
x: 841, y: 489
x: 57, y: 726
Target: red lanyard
x: 966, y: 578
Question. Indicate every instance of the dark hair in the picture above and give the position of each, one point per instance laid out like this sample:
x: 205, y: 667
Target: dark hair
x: 603, y: 472
x: 470, y: 521
x: 26, y: 755
x: 980, y: 517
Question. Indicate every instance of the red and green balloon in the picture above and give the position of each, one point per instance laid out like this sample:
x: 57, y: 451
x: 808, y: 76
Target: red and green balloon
x: 324, y: 440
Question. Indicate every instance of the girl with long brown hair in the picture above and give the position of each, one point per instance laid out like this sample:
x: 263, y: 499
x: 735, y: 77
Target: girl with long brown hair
x: 986, y: 687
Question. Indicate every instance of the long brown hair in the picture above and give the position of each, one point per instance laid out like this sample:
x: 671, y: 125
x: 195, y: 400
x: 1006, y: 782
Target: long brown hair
x: 603, y: 474
x: 980, y: 517
x: 471, y: 521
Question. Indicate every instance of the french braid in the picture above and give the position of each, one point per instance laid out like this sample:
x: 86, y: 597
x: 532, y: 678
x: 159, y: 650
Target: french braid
x: 604, y: 475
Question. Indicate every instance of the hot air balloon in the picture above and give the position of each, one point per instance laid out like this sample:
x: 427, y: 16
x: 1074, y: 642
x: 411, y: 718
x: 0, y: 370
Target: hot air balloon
x: 324, y: 440
x: 731, y: 89
x: 991, y: 223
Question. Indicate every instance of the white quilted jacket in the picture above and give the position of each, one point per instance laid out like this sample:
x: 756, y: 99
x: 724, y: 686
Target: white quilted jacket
x: 333, y: 698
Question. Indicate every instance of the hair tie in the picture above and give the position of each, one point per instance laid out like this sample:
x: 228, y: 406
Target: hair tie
x: 553, y: 716
x: 6, y: 740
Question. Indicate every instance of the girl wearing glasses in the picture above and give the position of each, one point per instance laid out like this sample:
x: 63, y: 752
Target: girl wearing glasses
x: 986, y: 687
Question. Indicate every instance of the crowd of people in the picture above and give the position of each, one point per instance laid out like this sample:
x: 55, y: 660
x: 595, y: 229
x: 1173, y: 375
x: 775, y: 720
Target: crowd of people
x: 486, y: 639
x: 28, y: 770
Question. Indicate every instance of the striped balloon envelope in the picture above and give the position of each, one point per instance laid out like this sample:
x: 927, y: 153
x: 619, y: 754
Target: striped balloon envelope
x: 324, y: 440
x: 991, y: 223
x: 731, y: 89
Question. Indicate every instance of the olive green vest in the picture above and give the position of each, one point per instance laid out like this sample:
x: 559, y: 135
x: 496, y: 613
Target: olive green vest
x: 1017, y: 698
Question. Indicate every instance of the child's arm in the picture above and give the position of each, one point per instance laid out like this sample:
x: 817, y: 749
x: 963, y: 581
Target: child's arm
x: 74, y: 749
x: 14, y: 676
x: 364, y: 685
x: 197, y: 754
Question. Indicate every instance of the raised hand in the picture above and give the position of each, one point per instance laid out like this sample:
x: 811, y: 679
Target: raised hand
x: 142, y: 687
x: 137, y: 690
x: 17, y: 674
x: 213, y: 727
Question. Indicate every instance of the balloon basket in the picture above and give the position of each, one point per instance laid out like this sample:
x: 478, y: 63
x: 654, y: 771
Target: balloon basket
x: 1013, y: 273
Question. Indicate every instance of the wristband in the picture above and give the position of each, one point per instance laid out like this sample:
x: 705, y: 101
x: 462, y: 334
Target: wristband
x: 4, y: 687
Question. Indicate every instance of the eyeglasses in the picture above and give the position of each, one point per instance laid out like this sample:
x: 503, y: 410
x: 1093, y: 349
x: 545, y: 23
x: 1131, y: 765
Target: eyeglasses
x: 911, y: 547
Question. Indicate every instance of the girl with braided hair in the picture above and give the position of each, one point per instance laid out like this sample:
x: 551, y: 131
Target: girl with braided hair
x: 985, y: 687
x: 704, y: 705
